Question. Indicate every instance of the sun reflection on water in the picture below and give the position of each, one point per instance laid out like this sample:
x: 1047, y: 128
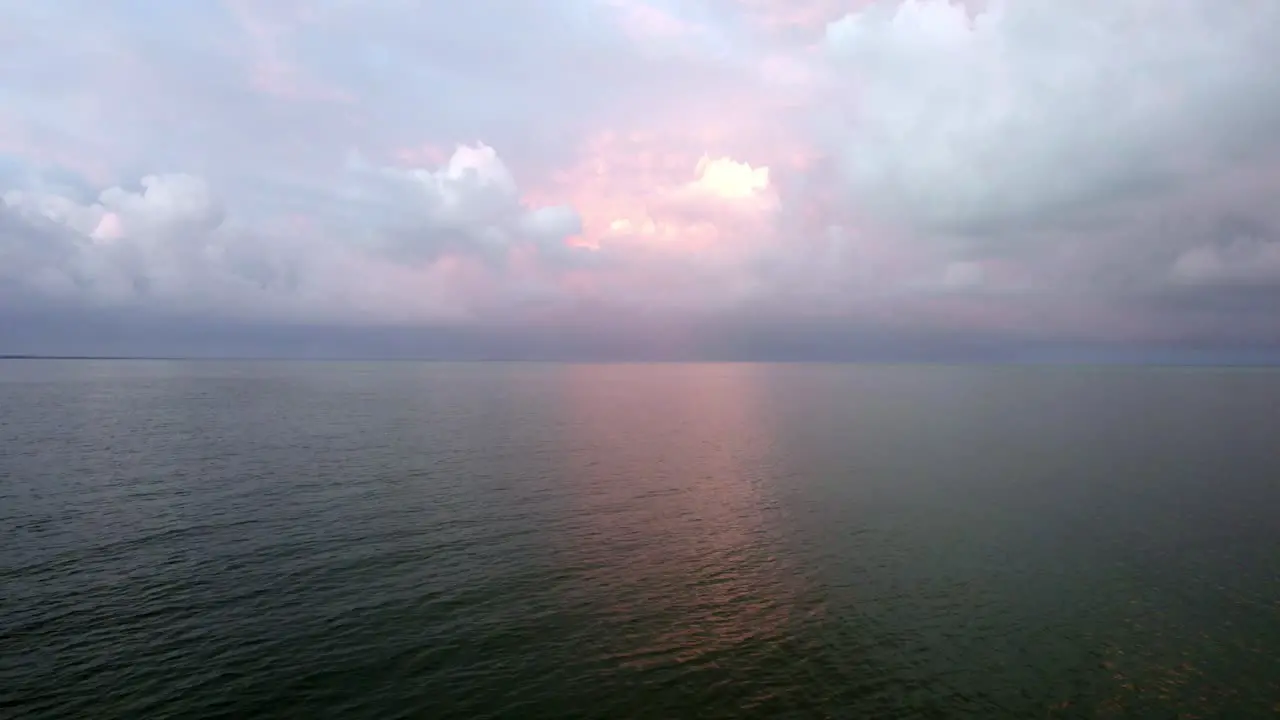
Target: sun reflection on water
x: 677, y: 497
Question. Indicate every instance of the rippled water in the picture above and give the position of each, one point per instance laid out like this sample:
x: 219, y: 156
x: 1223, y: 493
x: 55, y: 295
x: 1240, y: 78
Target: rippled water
x: 315, y: 540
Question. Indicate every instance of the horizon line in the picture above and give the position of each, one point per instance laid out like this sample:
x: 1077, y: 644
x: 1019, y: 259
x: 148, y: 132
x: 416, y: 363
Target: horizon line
x: 1133, y: 362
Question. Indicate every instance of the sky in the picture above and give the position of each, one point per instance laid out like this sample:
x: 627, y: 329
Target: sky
x: 640, y: 178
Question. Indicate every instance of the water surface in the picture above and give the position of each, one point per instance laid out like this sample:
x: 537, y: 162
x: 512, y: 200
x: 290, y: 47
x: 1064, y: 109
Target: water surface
x: 383, y: 540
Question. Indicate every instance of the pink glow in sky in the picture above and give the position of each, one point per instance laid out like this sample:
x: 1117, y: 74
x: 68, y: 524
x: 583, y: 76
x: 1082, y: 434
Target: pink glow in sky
x: 1035, y: 167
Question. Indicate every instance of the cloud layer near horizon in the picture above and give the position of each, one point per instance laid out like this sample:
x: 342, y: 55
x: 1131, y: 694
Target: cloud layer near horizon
x: 1060, y: 169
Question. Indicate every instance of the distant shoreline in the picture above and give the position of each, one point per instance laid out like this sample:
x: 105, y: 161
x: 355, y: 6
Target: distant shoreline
x: 94, y: 357
x: 614, y: 361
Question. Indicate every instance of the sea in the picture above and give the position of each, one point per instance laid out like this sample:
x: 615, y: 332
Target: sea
x: 280, y: 539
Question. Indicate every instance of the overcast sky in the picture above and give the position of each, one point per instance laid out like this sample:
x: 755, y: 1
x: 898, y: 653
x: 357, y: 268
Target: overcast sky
x: 638, y: 177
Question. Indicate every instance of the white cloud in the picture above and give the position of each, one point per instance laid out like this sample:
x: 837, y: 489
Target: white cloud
x: 473, y: 187
x: 550, y: 226
x: 1032, y: 108
x: 472, y: 206
x: 162, y: 243
x: 728, y: 179
x: 166, y: 206
x: 444, y: 247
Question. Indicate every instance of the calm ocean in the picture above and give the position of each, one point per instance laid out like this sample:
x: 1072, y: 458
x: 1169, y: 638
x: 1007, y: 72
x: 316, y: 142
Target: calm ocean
x: 494, y: 540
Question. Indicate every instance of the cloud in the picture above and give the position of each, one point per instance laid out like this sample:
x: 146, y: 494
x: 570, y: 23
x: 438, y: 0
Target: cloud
x: 469, y: 206
x: 161, y: 242
x: 1243, y: 261
x: 1026, y: 113
x: 1028, y: 168
x: 459, y: 231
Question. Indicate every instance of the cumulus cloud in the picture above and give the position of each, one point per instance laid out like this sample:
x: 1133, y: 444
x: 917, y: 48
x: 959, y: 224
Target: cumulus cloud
x: 451, y: 231
x: 129, y: 243
x: 469, y: 206
x: 720, y: 207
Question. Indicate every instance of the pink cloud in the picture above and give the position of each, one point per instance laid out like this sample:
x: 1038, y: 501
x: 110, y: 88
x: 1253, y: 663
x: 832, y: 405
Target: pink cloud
x: 109, y: 229
x: 778, y: 16
x: 425, y: 155
x: 18, y: 138
x: 645, y: 21
x: 271, y: 71
x: 648, y: 173
x: 652, y: 188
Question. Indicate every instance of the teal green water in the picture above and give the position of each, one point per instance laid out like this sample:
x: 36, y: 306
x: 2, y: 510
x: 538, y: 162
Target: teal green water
x: 311, y: 540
